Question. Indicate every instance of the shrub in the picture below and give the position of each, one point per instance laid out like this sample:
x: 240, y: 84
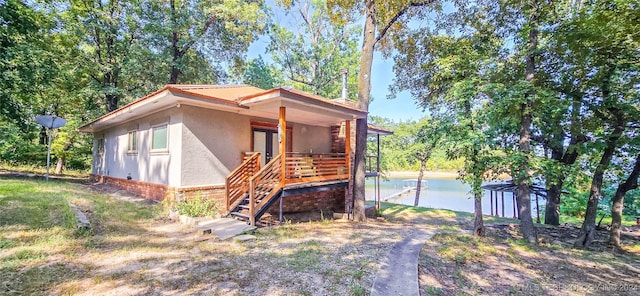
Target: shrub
x: 197, y: 206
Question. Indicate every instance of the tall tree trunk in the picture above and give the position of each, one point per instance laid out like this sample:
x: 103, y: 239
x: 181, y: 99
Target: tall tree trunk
x: 176, y: 52
x: 618, y: 202
x: 566, y: 156
x: 175, y: 72
x: 524, y: 144
x: 62, y: 160
x: 112, y: 102
x: 423, y: 166
x: 552, y: 208
x: 478, y: 223
x: 360, y: 159
x: 364, y: 91
x: 595, y: 194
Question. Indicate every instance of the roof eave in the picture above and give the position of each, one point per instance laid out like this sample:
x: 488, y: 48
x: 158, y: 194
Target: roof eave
x: 281, y: 92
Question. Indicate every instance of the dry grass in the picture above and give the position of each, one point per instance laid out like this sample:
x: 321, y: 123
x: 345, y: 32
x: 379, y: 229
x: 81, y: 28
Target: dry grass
x: 132, y: 250
x: 501, y: 264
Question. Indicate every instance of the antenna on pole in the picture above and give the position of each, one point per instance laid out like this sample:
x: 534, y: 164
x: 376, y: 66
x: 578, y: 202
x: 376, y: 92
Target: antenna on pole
x: 50, y: 122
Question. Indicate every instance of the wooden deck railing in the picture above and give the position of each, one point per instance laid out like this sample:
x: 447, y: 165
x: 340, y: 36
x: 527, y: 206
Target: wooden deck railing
x: 264, y: 185
x: 237, y: 182
x: 305, y: 167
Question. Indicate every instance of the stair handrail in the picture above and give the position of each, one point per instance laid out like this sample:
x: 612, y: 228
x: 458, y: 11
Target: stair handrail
x: 237, y: 182
x: 269, y: 173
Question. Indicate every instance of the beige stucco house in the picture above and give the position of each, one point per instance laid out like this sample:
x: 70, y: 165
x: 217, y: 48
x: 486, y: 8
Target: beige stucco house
x: 242, y: 145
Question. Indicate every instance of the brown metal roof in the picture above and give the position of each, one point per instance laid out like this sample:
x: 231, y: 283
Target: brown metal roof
x: 231, y: 96
x: 226, y: 92
x: 376, y: 130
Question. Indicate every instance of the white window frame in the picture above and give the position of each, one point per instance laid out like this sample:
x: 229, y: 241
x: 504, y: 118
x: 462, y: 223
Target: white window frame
x: 100, y: 146
x: 132, y: 138
x: 160, y: 150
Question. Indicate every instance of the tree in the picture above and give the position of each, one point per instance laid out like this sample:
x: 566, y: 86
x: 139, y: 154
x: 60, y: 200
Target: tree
x: 197, y: 37
x: 258, y: 73
x: 613, y: 64
x: 533, y: 14
x: 417, y: 141
x: 27, y: 62
x: 380, y: 19
x: 108, y: 35
x: 313, y: 58
x: 629, y: 184
x: 39, y: 76
x: 561, y: 126
x: 449, y: 75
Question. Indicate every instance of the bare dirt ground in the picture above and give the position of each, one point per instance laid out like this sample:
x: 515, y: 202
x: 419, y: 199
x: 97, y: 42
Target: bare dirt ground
x: 131, y: 252
x: 500, y: 264
x: 162, y: 257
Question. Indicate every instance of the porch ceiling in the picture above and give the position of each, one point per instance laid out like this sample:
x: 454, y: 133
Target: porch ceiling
x: 300, y: 108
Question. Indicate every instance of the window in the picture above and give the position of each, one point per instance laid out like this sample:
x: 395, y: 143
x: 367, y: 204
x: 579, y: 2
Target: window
x: 101, y: 145
x: 132, y: 146
x: 159, y: 137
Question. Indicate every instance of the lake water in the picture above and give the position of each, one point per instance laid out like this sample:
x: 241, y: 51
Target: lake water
x: 444, y: 194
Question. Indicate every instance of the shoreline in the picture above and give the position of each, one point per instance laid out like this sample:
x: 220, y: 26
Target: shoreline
x: 427, y: 175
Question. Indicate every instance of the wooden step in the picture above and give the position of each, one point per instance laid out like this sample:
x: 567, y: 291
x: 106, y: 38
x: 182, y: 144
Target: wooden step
x: 264, y: 193
x: 240, y: 216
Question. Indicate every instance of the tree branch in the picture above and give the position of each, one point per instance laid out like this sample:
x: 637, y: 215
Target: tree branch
x: 399, y: 14
x: 301, y: 81
x: 191, y: 42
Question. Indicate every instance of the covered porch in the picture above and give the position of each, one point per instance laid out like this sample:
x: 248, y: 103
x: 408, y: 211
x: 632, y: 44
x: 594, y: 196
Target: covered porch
x: 275, y: 170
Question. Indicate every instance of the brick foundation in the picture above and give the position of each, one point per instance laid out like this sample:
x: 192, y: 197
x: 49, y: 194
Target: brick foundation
x: 329, y: 201
x: 159, y: 192
x: 147, y: 190
x: 215, y: 192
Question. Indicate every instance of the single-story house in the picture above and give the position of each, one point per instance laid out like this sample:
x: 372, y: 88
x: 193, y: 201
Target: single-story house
x: 244, y: 146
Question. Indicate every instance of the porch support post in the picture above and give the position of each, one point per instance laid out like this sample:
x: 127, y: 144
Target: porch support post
x: 378, y: 171
x: 282, y: 122
x: 347, y: 146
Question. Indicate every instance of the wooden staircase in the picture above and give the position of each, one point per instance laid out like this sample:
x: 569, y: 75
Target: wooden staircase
x: 263, y: 188
x: 237, y: 182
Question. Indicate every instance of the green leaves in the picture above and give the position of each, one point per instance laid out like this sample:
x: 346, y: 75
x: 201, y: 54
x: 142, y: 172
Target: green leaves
x: 260, y: 74
x: 313, y: 57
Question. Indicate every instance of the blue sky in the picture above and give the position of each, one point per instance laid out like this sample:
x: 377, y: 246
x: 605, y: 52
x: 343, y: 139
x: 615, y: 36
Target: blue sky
x: 403, y: 107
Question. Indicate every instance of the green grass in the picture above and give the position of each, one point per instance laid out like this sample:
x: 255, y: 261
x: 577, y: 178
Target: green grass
x: 286, y: 231
x: 463, y: 248
x: 403, y: 213
x: 308, y: 256
x: 34, y: 205
x: 41, y: 170
x: 37, y: 224
x: 627, y: 220
x: 450, y: 220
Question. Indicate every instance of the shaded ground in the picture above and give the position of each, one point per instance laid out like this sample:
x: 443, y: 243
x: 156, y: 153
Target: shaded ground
x: 501, y: 264
x: 130, y: 251
x: 133, y: 251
